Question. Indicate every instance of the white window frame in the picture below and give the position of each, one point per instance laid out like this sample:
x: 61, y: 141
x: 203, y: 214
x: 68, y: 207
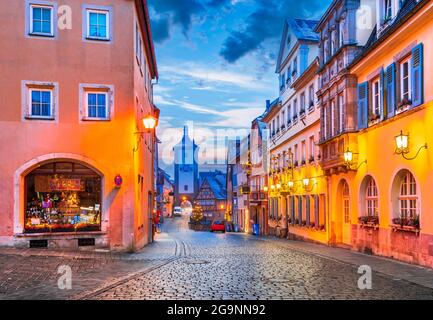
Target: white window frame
x: 107, y: 111
x: 107, y: 21
x: 376, y: 105
x: 340, y: 33
x: 32, y: 116
x: 333, y: 127
x: 85, y: 90
x: 304, y: 151
x: 402, y: 78
x: 371, y: 198
x: 311, y: 97
x: 406, y: 196
x: 303, y: 100
x: 44, y: 6
x: 312, y: 147
x: 27, y: 87
x: 342, y: 112
x: 386, y: 8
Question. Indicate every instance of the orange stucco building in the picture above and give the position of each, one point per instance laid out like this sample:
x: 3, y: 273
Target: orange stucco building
x: 76, y: 82
x: 389, y: 195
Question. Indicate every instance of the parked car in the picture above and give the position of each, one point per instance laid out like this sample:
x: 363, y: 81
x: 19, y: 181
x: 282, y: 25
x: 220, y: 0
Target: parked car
x: 218, y: 226
x: 177, y: 211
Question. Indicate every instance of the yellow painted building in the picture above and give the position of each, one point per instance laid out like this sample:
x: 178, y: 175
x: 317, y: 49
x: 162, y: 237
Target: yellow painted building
x: 297, y: 186
x: 389, y: 196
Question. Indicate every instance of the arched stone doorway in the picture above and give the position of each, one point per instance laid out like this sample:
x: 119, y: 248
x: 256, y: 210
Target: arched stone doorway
x: 186, y: 207
x: 62, y: 196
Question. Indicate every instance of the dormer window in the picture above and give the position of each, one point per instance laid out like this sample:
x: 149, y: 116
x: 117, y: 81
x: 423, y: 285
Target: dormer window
x: 387, y: 11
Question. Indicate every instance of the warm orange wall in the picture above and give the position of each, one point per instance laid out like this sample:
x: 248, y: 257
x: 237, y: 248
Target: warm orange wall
x: 377, y: 144
x: 70, y: 61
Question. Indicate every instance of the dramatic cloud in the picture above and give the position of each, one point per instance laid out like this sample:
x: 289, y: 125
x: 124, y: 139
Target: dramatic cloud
x: 174, y: 12
x: 161, y: 29
x: 206, y: 75
x: 266, y: 23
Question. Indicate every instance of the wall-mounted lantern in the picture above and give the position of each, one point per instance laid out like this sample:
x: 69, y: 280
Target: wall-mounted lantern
x: 402, y: 146
x: 149, y: 122
x: 349, y: 162
x: 308, y: 185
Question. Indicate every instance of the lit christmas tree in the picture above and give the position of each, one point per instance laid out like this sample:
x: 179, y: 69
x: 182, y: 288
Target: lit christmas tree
x: 197, y: 213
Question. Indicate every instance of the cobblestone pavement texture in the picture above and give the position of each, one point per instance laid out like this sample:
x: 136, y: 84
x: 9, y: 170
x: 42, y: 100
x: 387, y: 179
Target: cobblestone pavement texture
x: 33, y: 273
x: 187, y: 265
x: 232, y: 266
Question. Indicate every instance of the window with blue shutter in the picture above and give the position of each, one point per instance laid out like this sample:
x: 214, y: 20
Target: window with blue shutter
x: 362, y: 105
x: 390, y: 90
x: 417, y: 76
x: 382, y: 95
x: 307, y: 209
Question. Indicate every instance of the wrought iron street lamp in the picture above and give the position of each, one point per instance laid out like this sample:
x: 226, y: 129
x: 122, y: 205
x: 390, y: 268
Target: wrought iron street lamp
x: 402, y: 146
x: 149, y: 123
x: 349, y: 161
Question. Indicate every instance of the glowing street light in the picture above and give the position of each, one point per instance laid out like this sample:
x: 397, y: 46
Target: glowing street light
x: 149, y: 122
x: 402, y: 146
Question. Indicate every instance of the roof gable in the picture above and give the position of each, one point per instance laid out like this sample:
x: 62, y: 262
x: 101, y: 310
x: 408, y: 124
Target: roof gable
x: 295, y: 31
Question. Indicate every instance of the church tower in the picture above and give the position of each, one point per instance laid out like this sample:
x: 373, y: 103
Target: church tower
x: 185, y: 169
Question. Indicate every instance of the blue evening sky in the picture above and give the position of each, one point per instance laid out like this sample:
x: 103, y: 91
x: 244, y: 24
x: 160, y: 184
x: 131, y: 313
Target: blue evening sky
x: 216, y: 61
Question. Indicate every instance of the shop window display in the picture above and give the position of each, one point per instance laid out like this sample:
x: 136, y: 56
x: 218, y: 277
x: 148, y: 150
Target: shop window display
x: 62, y: 197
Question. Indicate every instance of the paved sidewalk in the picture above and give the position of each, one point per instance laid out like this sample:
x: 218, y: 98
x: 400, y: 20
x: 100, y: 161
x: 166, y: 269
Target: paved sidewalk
x: 396, y: 269
x: 33, y: 273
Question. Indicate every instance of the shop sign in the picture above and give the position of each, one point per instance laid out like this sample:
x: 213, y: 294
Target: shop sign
x: 65, y: 185
x: 49, y: 184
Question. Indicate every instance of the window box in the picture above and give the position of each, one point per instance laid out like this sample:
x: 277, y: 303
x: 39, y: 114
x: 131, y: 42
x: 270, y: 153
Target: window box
x: 303, y: 162
x: 295, y: 119
x: 397, y: 227
x: 407, y: 222
x: 369, y: 222
x: 289, y: 123
x: 278, y: 130
x: 311, y: 160
x: 374, y: 117
x: 302, y: 112
x: 404, y: 105
x: 296, y: 164
x: 283, y: 127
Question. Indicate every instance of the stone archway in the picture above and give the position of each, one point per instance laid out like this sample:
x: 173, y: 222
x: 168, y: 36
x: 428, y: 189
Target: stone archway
x: 26, y: 168
x: 186, y: 207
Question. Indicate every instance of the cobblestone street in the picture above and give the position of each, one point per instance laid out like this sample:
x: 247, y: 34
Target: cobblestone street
x: 183, y: 264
